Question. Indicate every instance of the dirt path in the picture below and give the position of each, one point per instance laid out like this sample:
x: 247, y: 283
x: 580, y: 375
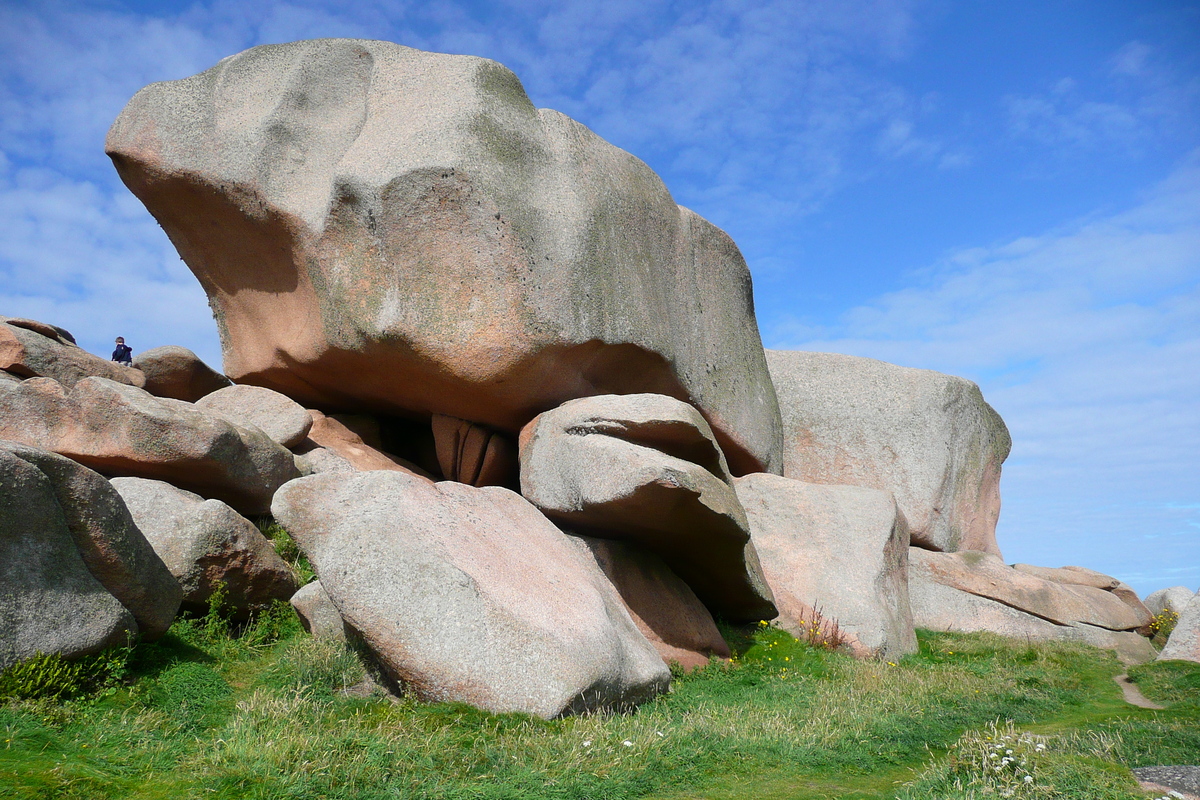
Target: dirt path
x: 1133, y: 694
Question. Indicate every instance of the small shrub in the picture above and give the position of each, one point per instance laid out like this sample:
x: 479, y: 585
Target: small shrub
x: 1161, y: 626
x: 55, y: 678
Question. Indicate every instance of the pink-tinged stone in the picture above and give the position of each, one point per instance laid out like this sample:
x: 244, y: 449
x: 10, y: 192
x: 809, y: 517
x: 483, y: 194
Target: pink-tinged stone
x: 178, y: 373
x: 35, y: 350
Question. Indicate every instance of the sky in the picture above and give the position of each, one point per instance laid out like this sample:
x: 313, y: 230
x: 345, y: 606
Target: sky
x: 1009, y: 192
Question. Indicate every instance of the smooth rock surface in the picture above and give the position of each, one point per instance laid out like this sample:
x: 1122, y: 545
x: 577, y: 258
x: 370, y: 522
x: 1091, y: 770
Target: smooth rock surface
x: 61, y: 335
x: 388, y: 230
x: 842, y: 550
x: 49, y: 601
x: 207, y: 544
x: 1174, y: 598
x: 30, y: 351
x: 178, y: 373
x: 472, y: 454
x: 122, y: 430
x: 971, y: 591
x: 470, y: 595
x: 276, y: 415
x: 929, y: 439
x: 1184, y: 641
x: 646, y: 468
x: 665, y: 610
x: 317, y: 613
x: 1082, y: 576
x: 111, y: 545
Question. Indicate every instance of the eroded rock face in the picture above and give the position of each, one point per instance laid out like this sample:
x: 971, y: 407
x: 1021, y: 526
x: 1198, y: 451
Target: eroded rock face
x: 928, y: 438
x: 646, y: 468
x: 842, y: 550
x: 32, y: 349
x: 445, y: 247
x: 472, y: 454
x: 1184, y: 642
x: 178, y: 373
x: 276, y: 415
x: 49, y: 601
x: 111, y: 545
x: 972, y: 591
x: 207, y: 544
x: 122, y: 430
x: 469, y: 594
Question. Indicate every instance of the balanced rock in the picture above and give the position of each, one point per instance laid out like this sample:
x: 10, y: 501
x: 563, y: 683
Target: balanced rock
x: 1184, y: 641
x: 36, y: 350
x: 206, y: 545
x: 276, y: 415
x: 389, y: 230
x: 974, y: 591
x: 470, y: 595
x: 1173, y: 599
x: 178, y: 373
x: 663, y: 607
x: 646, y: 468
x: 112, y: 547
x: 317, y: 613
x: 122, y: 430
x: 839, y: 550
x: 49, y: 601
x: 928, y: 438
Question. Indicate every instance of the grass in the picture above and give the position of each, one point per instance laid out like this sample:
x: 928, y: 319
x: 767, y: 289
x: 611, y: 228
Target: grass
x: 262, y: 711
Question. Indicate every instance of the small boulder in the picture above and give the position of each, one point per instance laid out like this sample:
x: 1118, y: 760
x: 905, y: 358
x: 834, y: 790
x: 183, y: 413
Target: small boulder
x: 474, y: 454
x: 113, y: 548
x: 178, y: 373
x: 35, y: 350
x: 276, y: 415
x: 929, y: 439
x: 841, y: 550
x: 646, y: 468
x: 1184, y: 642
x: 122, y: 430
x: 470, y: 595
x: 317, y: 613
x: 49, y: 601
x: 206, y: 544
x: 1173, y: 599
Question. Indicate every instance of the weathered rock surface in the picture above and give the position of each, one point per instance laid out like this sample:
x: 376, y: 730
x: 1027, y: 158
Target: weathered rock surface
x: 61, y: 335
x: 1174, y: 598
x: 1082, y: 576
x: 206, y: 544
x: 663, y: 607
x: 384, y: 229
x: 112, y: 547
x: 276, y: 415
x: 178, y: 373
x: 472, y: 454
x: 317, y: 613
x: 972, y: 591
x: 842, y: 550
x: 342, y: 437
x: 30, y: 349
x: 1184, y: 641
x: 470, y: 594
x: 929, y: 439
x: 122, y: 430
x: 646, y: 468
x: 49, y: 601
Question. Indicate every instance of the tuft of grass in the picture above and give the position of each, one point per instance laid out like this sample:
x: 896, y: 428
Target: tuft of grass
x: 52, y: 677
x: 287, y: 548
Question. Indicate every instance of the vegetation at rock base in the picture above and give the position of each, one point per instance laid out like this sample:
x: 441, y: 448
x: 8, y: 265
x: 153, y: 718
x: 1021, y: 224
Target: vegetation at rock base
x: 215, y: 710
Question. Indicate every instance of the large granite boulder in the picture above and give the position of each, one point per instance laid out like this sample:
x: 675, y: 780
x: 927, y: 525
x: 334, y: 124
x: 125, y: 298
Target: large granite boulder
x: 276, y: 415
x: 840, y: 550
x: 49, y: 601
x: 122, y: 430
x: 178, y: 373
x: 106, y: 537
x: 1082, y: 576
x: 974, y: 591
x: 1173, y: 599
x: 388, y: 230
x: 469, y: 594
x: 32, y: 349
x: 206, y: 545
x: 1184, y: 641
x: 929, y: 439
x: 646, y: 468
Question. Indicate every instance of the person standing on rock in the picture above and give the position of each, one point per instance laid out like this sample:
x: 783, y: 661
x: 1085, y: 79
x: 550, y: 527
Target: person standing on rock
x: 123, y: 354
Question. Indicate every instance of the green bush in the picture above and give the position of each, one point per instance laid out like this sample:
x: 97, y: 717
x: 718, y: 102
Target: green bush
x: 53, y: 677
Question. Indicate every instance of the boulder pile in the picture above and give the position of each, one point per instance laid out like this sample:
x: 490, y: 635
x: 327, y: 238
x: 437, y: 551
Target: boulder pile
x: 508, y: 398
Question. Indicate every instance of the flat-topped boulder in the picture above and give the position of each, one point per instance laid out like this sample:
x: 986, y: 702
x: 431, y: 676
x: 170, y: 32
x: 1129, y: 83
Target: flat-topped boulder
x: 122, y: 430
x: 388, y: 230
x: 929, y: 439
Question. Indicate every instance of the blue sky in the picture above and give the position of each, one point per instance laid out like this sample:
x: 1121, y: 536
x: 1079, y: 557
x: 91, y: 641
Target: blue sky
x: 1004, y: 191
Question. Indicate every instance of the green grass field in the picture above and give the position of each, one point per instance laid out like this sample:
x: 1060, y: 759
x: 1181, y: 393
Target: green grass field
x: 263, y: 713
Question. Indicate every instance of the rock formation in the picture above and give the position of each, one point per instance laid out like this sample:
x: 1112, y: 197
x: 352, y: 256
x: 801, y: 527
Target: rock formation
x: 1184, y: 641
x: 380, y: 228
x: 278, y: 416
x: 1173, y: 599
x: 30, y: 349
x: 178, y: 373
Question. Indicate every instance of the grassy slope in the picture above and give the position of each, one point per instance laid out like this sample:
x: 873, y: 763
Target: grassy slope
x: 263, y: 715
